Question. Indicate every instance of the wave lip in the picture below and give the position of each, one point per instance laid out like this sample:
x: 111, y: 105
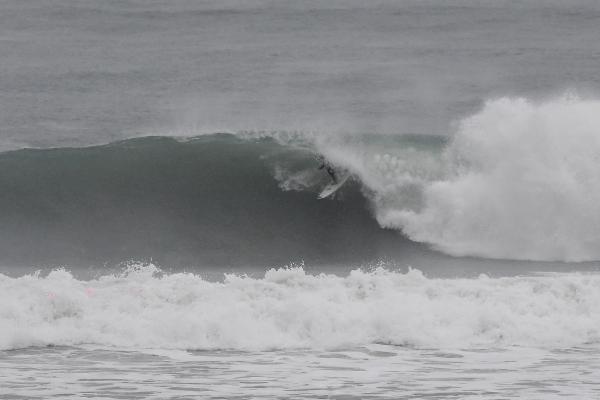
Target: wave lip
x: 289, y: 309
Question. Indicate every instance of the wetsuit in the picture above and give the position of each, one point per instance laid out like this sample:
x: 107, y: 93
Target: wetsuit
x: 329, y: 170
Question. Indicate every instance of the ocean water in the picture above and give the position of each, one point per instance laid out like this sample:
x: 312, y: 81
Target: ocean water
x: 161, y: 236
x: 377, y: 334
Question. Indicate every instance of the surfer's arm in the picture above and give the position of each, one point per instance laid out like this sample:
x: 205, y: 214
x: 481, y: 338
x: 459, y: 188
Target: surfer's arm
x: 331, y: 173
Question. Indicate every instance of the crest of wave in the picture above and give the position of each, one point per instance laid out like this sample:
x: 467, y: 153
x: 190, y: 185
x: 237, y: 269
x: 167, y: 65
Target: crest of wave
x: 521, y: 181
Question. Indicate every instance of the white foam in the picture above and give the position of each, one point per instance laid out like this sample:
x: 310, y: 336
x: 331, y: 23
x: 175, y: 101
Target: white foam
x: 291, y: 309
x: 522, y: 182
x: 519, y: 180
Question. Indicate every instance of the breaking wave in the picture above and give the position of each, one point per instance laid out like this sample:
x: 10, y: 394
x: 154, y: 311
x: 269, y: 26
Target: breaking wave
x: 517, y: 180
x: 521, y: 181
x: 289, y: 309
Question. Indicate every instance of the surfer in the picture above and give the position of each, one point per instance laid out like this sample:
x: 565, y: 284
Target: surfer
x: 338, y: 178
x: 325, y: 165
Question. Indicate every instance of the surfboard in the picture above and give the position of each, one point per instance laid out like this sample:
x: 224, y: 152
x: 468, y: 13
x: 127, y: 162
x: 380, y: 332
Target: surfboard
x: 333, y: 187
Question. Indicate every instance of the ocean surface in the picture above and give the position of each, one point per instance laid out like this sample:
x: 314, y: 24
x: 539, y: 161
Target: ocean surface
x: 161, y: 236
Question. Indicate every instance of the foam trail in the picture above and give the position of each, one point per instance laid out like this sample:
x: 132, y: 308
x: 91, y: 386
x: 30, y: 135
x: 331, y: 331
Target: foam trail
x: 144, y: 308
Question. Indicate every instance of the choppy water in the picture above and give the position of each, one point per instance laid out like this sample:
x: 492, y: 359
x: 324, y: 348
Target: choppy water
x: 370, y: 372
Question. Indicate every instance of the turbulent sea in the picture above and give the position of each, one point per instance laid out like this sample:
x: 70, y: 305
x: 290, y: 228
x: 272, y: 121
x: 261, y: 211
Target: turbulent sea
x: 161, y: 236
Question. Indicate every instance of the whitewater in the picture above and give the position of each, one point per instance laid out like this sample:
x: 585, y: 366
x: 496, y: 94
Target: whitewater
x: 517, y: 180
x: 290, y: 333
x: 290, y: 309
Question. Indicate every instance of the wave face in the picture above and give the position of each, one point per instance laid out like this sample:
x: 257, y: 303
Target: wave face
x: 210, y: 201
x: 291, y: 309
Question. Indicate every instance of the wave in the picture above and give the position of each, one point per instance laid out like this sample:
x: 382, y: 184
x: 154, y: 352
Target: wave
x: 206, y: 201
x: 518, y: 180
x: 288, y: 309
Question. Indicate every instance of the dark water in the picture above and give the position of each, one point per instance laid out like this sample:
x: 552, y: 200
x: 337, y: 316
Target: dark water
x: 209, y: 201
